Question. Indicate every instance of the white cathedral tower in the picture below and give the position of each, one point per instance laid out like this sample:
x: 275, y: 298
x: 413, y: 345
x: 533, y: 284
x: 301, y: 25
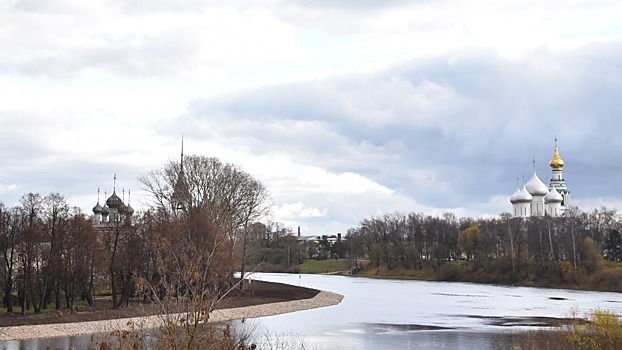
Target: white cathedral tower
x: 536, y: 199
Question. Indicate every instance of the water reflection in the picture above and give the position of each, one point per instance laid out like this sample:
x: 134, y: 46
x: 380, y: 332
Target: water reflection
x: 77, y: 342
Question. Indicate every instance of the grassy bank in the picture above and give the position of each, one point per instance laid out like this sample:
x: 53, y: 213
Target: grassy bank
x: 325, y: 266
x: 606, y: 277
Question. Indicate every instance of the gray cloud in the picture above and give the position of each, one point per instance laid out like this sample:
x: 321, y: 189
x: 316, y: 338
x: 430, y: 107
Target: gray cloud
x: 450, y: 130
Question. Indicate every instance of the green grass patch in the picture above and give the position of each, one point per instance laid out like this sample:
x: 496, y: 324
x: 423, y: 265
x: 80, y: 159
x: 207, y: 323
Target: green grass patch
x: 426, y: 274
x: 612, y: 264
x: 325, y: 266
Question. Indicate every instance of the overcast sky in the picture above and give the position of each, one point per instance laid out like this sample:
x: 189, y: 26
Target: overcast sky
x: 343, y: 109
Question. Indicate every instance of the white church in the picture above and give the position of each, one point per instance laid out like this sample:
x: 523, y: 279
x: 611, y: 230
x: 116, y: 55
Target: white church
x: 536, y: 199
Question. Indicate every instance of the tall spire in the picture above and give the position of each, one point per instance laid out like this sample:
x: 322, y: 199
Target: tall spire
x: 181, y: 194
x: 181, y: 163
x: 114, y: 183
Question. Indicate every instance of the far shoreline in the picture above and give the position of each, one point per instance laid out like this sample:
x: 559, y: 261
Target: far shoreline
x: 607, y: 279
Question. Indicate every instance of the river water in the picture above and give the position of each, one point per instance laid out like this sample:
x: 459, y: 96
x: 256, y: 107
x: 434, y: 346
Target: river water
x: 388, y: 314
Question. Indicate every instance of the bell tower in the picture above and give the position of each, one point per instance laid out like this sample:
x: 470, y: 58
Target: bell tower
x: 557, y: 180
x: 180, y: 200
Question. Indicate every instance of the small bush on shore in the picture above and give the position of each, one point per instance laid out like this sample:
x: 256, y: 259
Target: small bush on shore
x: 600, y: 330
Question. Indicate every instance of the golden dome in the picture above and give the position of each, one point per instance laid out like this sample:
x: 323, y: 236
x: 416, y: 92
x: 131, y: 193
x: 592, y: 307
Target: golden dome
x: 556, y: 163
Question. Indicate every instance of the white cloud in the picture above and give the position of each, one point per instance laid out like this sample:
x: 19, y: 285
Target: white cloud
x: 7, y: 188
x: 343, y: 110
x: 298, y: 210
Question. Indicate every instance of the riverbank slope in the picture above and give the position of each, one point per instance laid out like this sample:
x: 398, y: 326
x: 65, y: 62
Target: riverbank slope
x: 606, y: 277
x: 259, y: 300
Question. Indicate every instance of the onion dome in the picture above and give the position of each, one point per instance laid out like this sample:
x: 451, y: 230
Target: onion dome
x: 129, y: 208
x: 553, y: 196
x: 114, y: 202
x: 514, y: 196
x: 536, y: 187
x: 105, y: 210
x: 122, y: 208
x: 97, y: 209
x: 557, y: 163
x: 524, y: 196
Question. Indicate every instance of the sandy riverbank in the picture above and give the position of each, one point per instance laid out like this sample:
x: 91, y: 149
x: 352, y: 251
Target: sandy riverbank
x: 322, y: 299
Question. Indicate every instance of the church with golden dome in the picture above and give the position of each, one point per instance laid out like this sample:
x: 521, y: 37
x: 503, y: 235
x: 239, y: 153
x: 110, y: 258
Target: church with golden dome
x: 537, y: 199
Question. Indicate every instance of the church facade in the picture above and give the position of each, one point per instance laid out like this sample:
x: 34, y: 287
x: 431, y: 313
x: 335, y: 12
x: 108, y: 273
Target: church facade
x: 537, y: 199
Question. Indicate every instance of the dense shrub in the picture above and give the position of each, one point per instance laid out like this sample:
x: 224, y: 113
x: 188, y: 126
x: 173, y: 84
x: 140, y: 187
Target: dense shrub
x: 448, y: 272
x: 601, y: 330
x: 608, y: 280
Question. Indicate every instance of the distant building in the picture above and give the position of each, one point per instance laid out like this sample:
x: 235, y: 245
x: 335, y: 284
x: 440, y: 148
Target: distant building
x: 536, y: 199
x: 114, y: 211
x: 316, y: 239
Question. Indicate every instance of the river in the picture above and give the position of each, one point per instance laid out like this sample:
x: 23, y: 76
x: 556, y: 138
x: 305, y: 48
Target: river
x: 389, y: 314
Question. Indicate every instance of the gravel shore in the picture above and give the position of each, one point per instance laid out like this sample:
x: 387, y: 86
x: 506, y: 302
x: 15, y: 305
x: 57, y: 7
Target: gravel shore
x: 322, y: 299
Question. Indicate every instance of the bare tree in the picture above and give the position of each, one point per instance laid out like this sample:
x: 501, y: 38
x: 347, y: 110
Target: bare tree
x: 192, y: 258
x: 54, y: 215
x: 30, y: 246
x: 231, y: 197
x: 77, y: 258
x: 9, y: 236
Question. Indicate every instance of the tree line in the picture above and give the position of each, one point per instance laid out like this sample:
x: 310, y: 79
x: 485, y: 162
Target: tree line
x: 54, y: 254
x: 48, y: 252
x: 504, y: 249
